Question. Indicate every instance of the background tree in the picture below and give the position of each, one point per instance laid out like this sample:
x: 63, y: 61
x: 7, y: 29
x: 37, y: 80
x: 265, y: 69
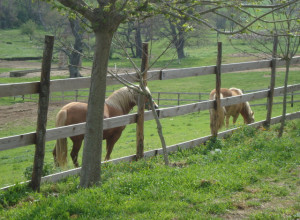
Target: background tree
x: 284, y: 24
x: 77, y: 50
x: 288, y: 30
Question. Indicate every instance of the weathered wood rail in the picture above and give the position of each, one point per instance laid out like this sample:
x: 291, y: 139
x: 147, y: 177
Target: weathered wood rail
x: 15, y: 89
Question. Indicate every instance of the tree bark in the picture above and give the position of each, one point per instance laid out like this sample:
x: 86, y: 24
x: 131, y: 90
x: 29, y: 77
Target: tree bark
x: 138, y: 40
x: 272, y: 84
x: 178, y: 39
x: 287, y: 69
x: 92, y: 152
x: 78, y: 48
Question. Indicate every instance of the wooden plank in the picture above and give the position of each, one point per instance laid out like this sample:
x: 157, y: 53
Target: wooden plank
x: 61, y: 132
x: 14, y: 89
x: 187, y: 72
x: 12, y: 142
x: 69, y: 84
x: 234, y: 67
x: 58, y: 176
x: 185, y: 109
x: 226, y: 68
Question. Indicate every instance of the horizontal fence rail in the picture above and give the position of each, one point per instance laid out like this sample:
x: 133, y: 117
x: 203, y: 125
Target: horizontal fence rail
x: 15, y: 89
x: 76, y: 129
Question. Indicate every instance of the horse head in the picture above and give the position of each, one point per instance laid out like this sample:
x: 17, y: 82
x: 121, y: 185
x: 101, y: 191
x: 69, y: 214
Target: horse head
x: 148, y: 98
x: 251, y: 118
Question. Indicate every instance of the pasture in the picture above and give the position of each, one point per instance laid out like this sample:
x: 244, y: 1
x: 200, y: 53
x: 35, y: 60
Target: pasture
x: 251, y: 175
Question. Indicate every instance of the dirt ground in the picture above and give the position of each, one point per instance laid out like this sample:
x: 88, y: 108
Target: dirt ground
x: 28, y: 110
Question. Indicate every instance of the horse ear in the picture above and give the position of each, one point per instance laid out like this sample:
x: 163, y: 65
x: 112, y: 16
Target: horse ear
x: 252, y: 113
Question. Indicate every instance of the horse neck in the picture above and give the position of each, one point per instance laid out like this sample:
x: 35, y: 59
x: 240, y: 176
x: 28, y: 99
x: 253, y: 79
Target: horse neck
x: 246, y: 112
x: 121, y: 100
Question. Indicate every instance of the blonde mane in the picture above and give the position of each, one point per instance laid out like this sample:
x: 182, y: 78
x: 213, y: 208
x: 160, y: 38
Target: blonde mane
x: 123, y: 99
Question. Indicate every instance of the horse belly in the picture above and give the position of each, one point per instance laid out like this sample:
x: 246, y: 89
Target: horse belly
x: 107, y: 133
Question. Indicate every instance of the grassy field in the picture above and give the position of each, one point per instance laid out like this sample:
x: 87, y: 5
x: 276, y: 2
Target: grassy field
x: 251, y: 175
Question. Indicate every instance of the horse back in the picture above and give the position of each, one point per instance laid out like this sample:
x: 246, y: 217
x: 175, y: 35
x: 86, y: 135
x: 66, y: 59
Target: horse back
x: 76, y: 112
x: 224, y: 93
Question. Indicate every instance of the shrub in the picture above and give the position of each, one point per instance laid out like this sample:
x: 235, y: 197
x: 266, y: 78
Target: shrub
x: 28, y: 28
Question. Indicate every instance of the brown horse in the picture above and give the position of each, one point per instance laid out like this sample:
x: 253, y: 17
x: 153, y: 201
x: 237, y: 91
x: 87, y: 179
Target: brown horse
x: 118, y: 103
x: 232, y: 110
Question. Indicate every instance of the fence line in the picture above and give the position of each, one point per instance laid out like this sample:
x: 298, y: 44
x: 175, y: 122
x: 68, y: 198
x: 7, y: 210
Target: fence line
x: 72, y: 130
x: 184, y: 145
x: 178, y: 99
x: 15, y: 89
x: 70, y: 84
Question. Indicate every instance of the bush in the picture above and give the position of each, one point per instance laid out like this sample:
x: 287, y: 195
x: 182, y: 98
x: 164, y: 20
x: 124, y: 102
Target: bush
x: 28, y: 28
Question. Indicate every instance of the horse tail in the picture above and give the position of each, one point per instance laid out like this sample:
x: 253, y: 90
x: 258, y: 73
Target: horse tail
x: 217, y: 116
x: 61, y: 144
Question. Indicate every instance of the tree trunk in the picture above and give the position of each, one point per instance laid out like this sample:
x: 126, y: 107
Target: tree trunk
x: 178, y: 39
x: 287, y: 69
x: 78, y: 48
x: 92, y: 152
x: 138, y: 41
x: 180, y: 43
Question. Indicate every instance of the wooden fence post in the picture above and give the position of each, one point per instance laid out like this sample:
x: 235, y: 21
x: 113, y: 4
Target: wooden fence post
x: 44, y: 92
x: 217, y: 104
x: 141, y: 106
x: 272, y: 83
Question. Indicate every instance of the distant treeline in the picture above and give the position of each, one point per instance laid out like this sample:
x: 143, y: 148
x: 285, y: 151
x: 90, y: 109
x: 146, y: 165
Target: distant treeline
x: 14, y: 13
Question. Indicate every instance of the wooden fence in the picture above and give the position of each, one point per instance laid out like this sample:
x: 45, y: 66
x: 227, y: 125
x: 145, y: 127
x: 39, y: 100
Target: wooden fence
x: 163, y: 99
x: 78, y: 83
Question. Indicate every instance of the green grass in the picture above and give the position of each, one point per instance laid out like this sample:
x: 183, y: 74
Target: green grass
x: 252, y: 171
x: 14, y: 44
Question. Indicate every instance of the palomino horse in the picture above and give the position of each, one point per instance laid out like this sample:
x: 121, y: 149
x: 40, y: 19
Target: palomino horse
x: 232, y: 110
x: 118, y: 103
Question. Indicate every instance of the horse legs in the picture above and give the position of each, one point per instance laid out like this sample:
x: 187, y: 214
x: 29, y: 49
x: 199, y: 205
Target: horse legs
x: 77, y: 141
x: 54, y: 156
x: 110, y: 143
x: 227, y: 121
x: 235, y: 117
